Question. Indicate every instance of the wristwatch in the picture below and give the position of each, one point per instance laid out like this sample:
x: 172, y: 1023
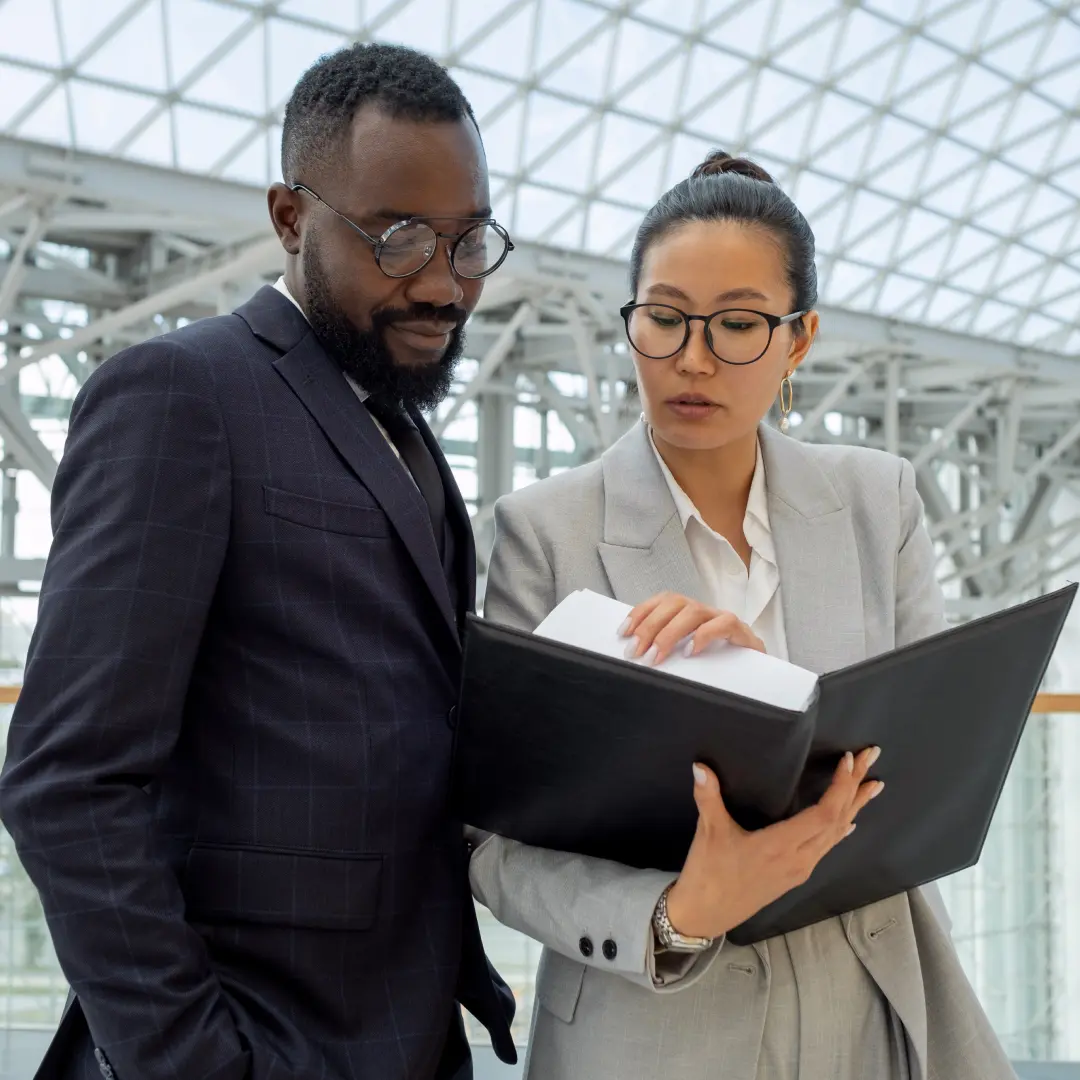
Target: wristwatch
x: 670, y: 938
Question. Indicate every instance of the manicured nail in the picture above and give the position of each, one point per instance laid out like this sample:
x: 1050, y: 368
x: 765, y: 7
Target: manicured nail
x: 875, y: 753
x: 699, y: 776
x: 652, y: 656
x: 689, y: 647
x: 850, y: 830
x: 625, y: 628
x: 632, y: 648
x: 849, y: 762
x: 877, y: 790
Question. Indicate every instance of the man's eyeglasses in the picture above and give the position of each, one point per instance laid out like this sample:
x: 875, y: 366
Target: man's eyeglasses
x: 408, y: 246
x: 734, y: 336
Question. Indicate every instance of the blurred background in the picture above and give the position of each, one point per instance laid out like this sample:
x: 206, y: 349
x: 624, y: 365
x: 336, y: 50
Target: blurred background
x: 934, y: 146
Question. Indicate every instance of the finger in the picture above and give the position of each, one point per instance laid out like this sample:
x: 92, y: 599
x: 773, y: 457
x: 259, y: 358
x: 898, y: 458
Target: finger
x: 682, y: 625
x: 815, y: 821
x: 724, y: 627
x: 653, y: 623
x: 818, y: 846
x: 712, y: 813
x: 867, y: 792
x: 634, y: 619
x: 864, y: 761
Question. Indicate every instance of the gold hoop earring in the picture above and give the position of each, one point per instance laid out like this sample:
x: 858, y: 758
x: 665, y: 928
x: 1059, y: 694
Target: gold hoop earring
x: 786, y: 399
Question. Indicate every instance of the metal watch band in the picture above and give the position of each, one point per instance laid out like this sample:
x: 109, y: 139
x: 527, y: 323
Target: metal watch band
x: 668, y: 936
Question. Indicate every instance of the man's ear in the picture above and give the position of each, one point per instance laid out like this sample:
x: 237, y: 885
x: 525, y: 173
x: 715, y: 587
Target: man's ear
x: 285, y: 209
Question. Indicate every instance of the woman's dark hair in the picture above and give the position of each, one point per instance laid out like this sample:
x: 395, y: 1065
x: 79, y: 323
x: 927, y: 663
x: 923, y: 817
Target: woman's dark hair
x: 726, y: 188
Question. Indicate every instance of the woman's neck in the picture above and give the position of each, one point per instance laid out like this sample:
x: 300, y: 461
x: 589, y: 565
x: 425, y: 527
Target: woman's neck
x: 717, y: 482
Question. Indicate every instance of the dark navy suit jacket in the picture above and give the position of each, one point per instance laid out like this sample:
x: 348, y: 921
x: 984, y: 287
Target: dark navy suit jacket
x: 228, y: 771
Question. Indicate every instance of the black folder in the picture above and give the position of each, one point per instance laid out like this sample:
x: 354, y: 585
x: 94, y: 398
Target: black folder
x: 564, y: 749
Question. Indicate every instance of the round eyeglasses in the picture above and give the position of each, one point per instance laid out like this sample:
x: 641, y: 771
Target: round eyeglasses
x: 735, y: 335
x: 408, y: 246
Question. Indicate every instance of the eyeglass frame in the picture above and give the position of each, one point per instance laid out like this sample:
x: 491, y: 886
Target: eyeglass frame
x: 773, y: 321
x: 379, y: 243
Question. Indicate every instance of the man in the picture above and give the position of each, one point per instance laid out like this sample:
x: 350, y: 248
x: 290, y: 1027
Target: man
x: 228, y: 771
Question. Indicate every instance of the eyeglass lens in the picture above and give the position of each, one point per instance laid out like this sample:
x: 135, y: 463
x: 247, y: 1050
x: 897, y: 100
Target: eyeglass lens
x: 737, y: 337
x: 476, y: 252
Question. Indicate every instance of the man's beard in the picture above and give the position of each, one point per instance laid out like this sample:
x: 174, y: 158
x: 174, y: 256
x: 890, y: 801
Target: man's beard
x: 363, y: 354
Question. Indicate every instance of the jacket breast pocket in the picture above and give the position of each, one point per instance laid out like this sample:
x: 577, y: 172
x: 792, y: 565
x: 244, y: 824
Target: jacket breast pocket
x: 558, y: 984
x: 280, y: 887
x: 349, y: 519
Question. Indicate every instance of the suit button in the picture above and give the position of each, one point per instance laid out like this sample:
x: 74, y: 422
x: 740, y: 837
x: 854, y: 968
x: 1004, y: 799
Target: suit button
x: 586, y: 947
x: 610, y: 949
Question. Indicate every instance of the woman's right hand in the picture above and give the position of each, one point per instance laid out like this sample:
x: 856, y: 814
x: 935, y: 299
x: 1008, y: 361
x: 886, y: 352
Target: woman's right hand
x: 730, y: 874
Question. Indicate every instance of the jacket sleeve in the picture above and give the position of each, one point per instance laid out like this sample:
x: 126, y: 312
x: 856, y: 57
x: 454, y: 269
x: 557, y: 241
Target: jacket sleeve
x: 141, y: 509
x: 553, y: 897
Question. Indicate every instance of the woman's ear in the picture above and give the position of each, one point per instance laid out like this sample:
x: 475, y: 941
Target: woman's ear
x: 801, y: 343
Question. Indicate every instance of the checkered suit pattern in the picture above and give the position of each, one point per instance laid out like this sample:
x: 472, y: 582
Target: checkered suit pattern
x: 227, y: 773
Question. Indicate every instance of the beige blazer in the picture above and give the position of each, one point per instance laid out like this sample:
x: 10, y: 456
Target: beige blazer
x: 857, y: 571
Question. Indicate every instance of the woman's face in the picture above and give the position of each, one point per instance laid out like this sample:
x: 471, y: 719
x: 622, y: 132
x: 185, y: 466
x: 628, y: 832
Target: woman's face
x: 693, y: 400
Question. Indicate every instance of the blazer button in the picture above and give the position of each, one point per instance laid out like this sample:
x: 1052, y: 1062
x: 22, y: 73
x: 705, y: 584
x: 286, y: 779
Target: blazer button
x: 610, y: 949
x: 585, y: 945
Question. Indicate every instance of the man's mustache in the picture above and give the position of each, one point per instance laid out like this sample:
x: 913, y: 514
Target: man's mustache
x: 420, y: 313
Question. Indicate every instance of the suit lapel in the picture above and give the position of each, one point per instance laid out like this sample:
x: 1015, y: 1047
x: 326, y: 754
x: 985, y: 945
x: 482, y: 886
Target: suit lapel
x: 644, y: 550
x: 820, y: 580
x: 319, y: 384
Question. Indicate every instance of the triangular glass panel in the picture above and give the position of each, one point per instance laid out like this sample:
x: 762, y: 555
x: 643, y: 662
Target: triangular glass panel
x: 828, y: 227
x: 581, y: 74
x: 709, y: 69
x: 948, y: 161
x: 1046, y: 205
x: 1066, y: 309
x: 993, y: 319
x: 30, y: 24
x: 864, y: 37
x: 293, y: 49
x: 155, y: 144
x: 1032, y: 114
x: 273, y: 137
x: 902, y: 179
x: 957, y: 27
x: 502, y: 139
x: 982, y: 126
x: 538, y: 209
x: 945, y: 304
x: 18, y: 87
x: 687, y: 153
x: 812, y: 191
x: 621, y: 139
x: 1017, y: 263
x: 928, y: 260
x: 135, y: 54
x: 895, y: 138
x: 1061, y: 87
x: 251, y: 164
x: 722, y: 120
x: 874, y: 244
x: 837, y: 119
x: 978, y: 89
x: 803, y: 19
x: 657, y: 96
x: 784, y: 135
x: 423, y: 25
x: 810, y: 54
x: 1049, y: 238
x: 926, y: 64
x: 238, y: 79
x: 332, y: 14
x: 639, y: 51
x: 681, y: 17
x: 1014, y: 55
x: 484, y: 92
x: 743, y: 31
x: 82, y: 23
x: 196, y: 28
x: 204, y: 137
x: 104, y: 116
x: 1068, y: 179
x: 998, y: 181
x: 898, y: 293
x: 1037, y: 327
x: 847, y: 279
x: 870, y: 82
x: 844, y: 155
x: 571, y: 167
x: 565, y: 26
x: 49, y: 121
x: 927, y: 106
x: 970, y: 245
x: 608, y: 225
x: 570, y: 234
x: 1063, y: 279
x: 975, y: 277
x: 1035, y: 153
x: 550, y: 119
x: 1023, y: 289
x: 774, y: 96
x: 920, y: 228
x: 376, y: 12
x: 505, y: 50
x: 1011, y: 16
x: 638, y: 183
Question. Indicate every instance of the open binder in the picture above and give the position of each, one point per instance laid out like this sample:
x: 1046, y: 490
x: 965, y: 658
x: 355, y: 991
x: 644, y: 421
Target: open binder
x: 561, y: 748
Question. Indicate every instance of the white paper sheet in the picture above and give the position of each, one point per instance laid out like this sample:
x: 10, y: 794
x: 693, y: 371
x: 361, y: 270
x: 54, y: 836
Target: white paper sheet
x: 591, y: 621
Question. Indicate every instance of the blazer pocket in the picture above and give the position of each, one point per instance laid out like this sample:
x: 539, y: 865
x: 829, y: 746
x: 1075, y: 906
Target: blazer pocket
x: 558, y: 984
x: 349, y: 519
x: 279, y: 887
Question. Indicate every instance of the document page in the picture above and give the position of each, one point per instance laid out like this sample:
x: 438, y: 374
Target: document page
x: 590, y: 621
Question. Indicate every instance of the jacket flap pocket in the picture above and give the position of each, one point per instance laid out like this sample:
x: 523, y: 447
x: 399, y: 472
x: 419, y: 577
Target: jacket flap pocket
x: 558, y: 984
x: 282, y: 888
x: 348, y: 518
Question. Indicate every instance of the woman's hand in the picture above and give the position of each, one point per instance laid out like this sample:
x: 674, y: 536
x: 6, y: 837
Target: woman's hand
x: 658, y: 625
x: 731, y: 874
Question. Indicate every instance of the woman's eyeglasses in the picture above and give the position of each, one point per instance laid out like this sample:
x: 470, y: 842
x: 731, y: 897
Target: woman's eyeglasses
x: 408, y: 246
x: 734, y: 336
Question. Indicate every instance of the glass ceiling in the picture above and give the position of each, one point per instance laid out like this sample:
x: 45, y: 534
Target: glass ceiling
x: 933, y: 144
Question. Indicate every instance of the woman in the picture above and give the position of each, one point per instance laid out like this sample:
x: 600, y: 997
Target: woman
x: 814, y: 553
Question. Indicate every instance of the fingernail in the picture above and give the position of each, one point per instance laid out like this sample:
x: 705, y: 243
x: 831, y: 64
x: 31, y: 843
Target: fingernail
x: 878, y: 790
x: 699, y: 776
x: 688, y: 648
x: 652, y: 656
x: 850, y: 830
x: 625, y: 628
x: 632, y: 648
x: 849, y: 762
x: 875, y: 753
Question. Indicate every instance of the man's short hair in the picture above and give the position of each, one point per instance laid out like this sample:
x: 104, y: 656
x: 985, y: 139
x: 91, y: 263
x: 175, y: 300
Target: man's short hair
x: 403, y: 82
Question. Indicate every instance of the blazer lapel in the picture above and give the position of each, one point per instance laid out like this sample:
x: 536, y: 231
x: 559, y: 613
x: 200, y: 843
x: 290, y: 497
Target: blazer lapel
x: 320, y: 385
x: 820, y: 580
x: 644, y: 550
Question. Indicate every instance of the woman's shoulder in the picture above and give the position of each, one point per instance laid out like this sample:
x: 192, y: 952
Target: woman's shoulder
x: 857, y: 470
x: 553, y: 496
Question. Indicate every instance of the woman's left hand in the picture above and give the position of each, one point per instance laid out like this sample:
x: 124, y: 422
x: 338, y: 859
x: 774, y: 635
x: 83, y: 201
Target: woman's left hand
x: 659, y: 624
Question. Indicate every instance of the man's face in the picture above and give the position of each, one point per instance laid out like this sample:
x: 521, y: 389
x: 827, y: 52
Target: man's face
x: 398, y: 337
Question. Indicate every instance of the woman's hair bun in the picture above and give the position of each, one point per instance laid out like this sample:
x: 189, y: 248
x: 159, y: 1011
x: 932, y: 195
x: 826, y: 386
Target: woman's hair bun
x: 720, y: 162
